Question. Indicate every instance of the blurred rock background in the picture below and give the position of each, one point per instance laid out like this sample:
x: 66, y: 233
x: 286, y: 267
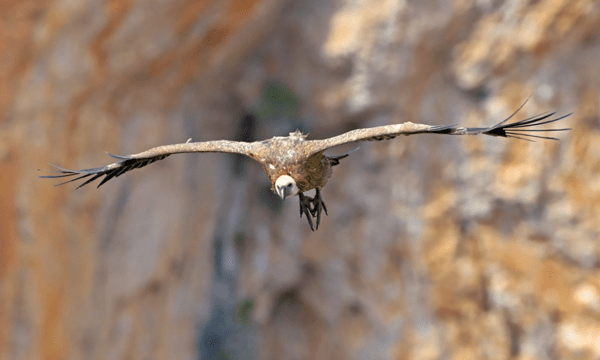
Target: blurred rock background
x: 434, y: 248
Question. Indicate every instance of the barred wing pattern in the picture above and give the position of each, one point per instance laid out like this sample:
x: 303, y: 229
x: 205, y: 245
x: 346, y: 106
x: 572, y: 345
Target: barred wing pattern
x: 130, y: 162
x: 518, y: 129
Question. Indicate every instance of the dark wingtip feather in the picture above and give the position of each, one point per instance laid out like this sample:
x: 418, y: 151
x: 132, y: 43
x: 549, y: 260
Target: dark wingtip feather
x: 126, y: 164
x: 514, y: 113
x: 106, y: 178
x: 519, y: 129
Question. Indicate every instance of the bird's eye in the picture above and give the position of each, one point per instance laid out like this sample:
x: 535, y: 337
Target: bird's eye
x: 289, y: 185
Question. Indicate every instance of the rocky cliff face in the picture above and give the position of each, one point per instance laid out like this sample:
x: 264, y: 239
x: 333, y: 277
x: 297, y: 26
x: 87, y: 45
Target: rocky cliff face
x: 434, y: 248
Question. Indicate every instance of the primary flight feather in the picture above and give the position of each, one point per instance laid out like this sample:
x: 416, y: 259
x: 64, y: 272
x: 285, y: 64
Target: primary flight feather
x: 294, y: 164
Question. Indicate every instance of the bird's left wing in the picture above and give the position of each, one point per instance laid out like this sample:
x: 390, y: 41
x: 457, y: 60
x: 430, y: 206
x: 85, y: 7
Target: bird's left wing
x: 130, y: 162
x: 518, y: 129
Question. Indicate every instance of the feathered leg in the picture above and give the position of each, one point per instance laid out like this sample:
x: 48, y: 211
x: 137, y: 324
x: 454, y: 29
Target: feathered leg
x: 318, y: 206
x: 306, y: 209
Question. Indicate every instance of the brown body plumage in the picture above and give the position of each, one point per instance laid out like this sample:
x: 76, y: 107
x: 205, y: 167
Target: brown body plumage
x: 295, y: 165
x: 291, y: 156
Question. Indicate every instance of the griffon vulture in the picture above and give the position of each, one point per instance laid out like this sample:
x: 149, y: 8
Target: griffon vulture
x: 295, y: 165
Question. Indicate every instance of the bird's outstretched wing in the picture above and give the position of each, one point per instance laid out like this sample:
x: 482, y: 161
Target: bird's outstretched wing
x: 521, y: 129
x: 130, y: 162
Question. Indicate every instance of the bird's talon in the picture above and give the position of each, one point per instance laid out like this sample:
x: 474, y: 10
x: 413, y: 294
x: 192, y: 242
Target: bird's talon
x: 318, y: 206
x: 306, y: 209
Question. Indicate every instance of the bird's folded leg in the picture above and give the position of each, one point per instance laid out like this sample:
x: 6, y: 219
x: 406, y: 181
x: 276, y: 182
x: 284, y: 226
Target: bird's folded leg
x: 306, y: 209
x: 318, y: 206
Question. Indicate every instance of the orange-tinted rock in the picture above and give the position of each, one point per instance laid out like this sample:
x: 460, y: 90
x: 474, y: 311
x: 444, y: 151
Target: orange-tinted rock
x: 434, y: 247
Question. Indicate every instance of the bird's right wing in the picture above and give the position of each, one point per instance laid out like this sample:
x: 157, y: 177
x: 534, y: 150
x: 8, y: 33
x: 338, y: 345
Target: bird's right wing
x: 130, y: 162
x: 521, y: 129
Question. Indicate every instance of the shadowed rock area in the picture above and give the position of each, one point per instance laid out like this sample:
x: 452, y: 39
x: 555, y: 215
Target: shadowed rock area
x: 435, y: 247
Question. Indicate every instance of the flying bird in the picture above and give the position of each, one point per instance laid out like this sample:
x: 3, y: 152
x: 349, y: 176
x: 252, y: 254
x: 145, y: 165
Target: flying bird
x: 295, y: 165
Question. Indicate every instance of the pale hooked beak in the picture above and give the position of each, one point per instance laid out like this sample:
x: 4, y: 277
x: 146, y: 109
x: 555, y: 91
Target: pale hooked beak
x: 281, y: 192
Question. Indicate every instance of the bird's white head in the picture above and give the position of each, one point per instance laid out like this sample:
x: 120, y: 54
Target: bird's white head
x: 285, y: 186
